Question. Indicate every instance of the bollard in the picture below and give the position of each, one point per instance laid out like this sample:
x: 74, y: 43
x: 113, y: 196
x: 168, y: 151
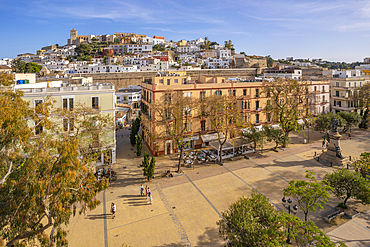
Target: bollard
x: 315, y: 153
x: 318, y: 158
x: 350, y: 158
x: 347, y: 166
x: 331, y: 164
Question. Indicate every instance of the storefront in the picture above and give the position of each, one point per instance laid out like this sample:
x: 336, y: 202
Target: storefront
x: 189, y: 143
x: 207, y: 138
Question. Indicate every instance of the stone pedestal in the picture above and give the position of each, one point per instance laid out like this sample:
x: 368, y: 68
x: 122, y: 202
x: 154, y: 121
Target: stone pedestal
x: 330, y: 156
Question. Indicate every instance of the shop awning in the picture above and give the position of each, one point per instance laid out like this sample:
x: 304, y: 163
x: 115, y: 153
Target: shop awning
x: 211, y: 137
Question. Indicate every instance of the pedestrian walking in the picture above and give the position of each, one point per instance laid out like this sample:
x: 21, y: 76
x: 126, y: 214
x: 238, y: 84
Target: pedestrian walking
x: 150, y: 198
x: 113, y: 210
x: 146, y: 190
x: 323, y: 143
x: 142, y: 190
x: 349, y: 136
x: 327, y: 144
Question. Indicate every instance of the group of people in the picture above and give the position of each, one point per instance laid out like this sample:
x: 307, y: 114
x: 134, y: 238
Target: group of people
x: 148, y: 193
x: 325, y: 145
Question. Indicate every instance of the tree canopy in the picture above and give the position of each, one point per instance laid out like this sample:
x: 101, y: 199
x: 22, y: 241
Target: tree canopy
x: 19, y: 66
x: 224, y: 116
x: 349, y: 184
x: 48, y: 177
x: 174, y: 118
x: 253, y: 221
x: 345, y: 119
x: 289, y: 103
x: 322, y: 122
x: 310, y: 195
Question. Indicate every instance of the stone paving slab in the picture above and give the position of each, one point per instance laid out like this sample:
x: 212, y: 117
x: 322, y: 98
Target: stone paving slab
x: 189, y: 205
x: 355, y: 232
x: 193, y: 211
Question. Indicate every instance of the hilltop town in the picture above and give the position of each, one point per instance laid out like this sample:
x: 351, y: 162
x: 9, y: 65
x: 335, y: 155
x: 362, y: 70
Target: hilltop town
x: 198, y: 123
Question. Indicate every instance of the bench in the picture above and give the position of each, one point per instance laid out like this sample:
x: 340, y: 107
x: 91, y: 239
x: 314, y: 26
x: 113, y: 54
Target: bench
x: 333, y: 215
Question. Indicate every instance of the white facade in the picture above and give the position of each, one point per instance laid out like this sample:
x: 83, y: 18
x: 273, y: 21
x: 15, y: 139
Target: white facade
x: 224, y: 53
x: 188, y: 49
x: 216, y: 63
x: 158, y: 41
x: 99, y: 68
x: 346, y: 73
x: 129, y: 96
x: 131, y: 48
x: 160, y: 66
x: 296, y: 75
x: 342, y: 91
x: 320, y: 97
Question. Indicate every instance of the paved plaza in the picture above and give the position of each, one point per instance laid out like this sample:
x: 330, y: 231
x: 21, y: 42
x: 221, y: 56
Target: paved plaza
x: 186, y: 207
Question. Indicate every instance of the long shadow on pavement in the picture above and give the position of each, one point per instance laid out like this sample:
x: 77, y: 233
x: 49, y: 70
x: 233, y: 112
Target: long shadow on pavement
x: 96, y: 216
x: 135, y: 200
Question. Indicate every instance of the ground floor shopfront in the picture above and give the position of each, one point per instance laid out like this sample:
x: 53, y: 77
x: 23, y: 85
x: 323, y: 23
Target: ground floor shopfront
x: 160, y: 147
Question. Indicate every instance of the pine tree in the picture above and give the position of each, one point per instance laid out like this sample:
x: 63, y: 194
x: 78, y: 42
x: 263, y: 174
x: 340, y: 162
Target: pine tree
x: 139, y: 145
x: 145, y: 164
x: 151, y: 168
x: 132, y: 137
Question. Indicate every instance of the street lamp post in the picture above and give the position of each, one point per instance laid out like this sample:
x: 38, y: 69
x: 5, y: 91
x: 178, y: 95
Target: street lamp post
x: 308, y: 133
x: 286, y: 204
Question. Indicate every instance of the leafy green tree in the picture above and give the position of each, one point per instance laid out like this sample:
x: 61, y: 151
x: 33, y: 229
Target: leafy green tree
x: 364, y: 96
x: 310, y: 195
x: 275, y: 135
x: 365, y: 119
x: 322, y: 122
x: 44, y: 180
x: 255, y: 136
x: 254, y: 221
x: 349, y: 184
x: 229, y: 44
x: 270, y: 61
x: 158, y: 48
x: 353, y: 119
x: 83, y: 50
x: 34, y: 68
x: 363, y: 163
x: 19, y: 66
x: 289, y: 102
x: 139, y: 145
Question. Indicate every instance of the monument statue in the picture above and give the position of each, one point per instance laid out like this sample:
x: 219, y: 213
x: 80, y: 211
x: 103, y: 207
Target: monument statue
x: 334, y: 125
x: 327, y: 137
x: 333, y: 154
x: 338, y: 153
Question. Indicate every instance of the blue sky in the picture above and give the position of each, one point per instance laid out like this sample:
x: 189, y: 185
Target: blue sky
x: 331, y: 30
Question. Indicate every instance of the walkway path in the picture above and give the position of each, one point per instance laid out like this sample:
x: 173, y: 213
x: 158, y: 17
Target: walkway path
x: 186, y: 207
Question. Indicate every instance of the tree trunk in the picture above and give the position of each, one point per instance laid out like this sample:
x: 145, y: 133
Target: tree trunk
x: 220, y: 153
x: 306, y: 216
x: 180, y: 159
x: 285, y: 142
x: 345, y: 200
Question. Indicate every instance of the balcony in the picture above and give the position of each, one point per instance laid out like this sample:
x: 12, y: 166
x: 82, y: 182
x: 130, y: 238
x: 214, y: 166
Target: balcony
x: 343, y: 108
x: 340, y: 87
x: 205, y: 130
